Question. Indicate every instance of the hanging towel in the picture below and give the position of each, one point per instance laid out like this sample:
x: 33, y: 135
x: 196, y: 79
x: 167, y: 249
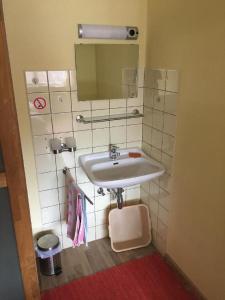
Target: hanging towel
x: 76, y: 213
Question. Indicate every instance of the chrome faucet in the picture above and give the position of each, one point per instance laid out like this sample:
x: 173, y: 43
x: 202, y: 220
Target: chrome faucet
x: 113, y: 151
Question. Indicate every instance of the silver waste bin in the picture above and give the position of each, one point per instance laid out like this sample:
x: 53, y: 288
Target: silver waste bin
x: 48, y: 251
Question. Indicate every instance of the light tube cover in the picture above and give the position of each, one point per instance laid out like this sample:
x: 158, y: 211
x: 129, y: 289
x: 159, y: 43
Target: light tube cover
x: 88, y: 31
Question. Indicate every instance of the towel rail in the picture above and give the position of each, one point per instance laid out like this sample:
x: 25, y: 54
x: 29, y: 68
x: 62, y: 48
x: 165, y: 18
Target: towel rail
x: 65, y: 171
x: 135, y: 114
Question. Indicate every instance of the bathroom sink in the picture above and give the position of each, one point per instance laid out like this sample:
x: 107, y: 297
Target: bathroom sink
x: 122, y: 172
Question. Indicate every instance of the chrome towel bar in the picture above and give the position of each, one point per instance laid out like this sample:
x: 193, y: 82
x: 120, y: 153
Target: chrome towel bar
x: 135, y: 114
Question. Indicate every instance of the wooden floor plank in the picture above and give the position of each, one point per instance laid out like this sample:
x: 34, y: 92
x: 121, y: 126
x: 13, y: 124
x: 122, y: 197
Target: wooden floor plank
x: 83, y: 261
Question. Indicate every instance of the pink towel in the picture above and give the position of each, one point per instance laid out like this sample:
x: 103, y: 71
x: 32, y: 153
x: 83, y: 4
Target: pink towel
x: 75, y: 213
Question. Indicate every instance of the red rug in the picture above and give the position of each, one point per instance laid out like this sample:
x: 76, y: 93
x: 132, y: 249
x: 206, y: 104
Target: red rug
x: 147, y: 278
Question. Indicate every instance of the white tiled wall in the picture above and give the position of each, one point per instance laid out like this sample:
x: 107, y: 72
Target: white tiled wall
x: 58, y: 119
x: 159, y: 129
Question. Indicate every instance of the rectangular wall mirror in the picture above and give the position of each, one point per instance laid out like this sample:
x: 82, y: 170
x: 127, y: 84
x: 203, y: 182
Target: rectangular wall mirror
x: 106, y: 71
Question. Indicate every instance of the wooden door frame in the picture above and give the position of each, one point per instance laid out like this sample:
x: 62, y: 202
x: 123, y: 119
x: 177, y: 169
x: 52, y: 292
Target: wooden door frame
x: 14, y: 172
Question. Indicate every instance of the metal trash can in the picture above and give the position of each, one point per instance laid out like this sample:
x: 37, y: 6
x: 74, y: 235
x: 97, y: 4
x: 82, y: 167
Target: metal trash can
x: 48, y: 250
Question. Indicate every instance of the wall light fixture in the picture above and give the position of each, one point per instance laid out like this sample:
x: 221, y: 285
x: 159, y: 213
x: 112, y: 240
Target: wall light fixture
x: 88, y: 31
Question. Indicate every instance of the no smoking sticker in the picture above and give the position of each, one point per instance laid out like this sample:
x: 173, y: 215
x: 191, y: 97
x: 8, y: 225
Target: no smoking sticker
x: 40, y: 103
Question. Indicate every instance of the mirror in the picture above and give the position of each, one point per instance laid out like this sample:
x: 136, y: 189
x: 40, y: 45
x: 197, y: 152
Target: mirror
x: 106, y: 71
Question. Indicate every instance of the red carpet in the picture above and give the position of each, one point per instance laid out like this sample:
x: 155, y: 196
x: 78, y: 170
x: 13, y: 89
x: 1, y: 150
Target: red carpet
x: 148, y: 278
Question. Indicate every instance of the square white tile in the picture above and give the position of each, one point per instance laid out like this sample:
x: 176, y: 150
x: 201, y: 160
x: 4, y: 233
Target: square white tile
x: 117, y: 111
x: 100, y: 113
x: 102, y: 202
x: 118, y: 103
x: 101, y: 217
x: 64, y: 227
x: 54, y: 227
x: 91, y: 234
x: 67, y: 242
x: 154, y: 221
x: 39, y: 103
x: 148, y: 116
x: 65, y: 159
x: 118, y: 135
x: 159, y: 99
x: 73, y: 80
x: 136, y: 101
x: 147, y: 134
x: 88, y: 189
x: 170, y: 102
x: 100, y: 149
x: 134, y: 133
x: 169, y: 124
x: 172, y: 81
x: 148, y: 97
x: 63, y: 211
x: 164, y: 199
x: 64, y: 136
x: 81, y: 176
x: 146, y: 187
x: 157, y: 119
x: 100, y: 104
x: 45, y: 163
x: 101, y: 231
x: 168, y: 144
x: 154, y: 190
x: 90, y: 207
x: 79, y: 105
x: 146, y: 148
x: 134, y: 121
x: 141, y: 74
x: 163, y: 215
x: 84, y: 139
x: 58, y: 81
x: 60, y: 102
x: 166, y: 182
x: 160, y: 244
x: 154, y: 206
x: 167, y: 161
x: 160, y: 79
x: 42, y: 144
x: 100, y: 137
x: 62, y: 194
x: 61, y: 177
x: 36, y: 81
x: 149, y: 78
x: 47, y: 181
x: 62, y: 122
x: 156, y: 139
x: 91, y: 220
x: 48, y: 198
x: 162, y: 230
x: 41, y: 124
x: 50, y: 214
x: 156, y: 153
x: 80, y: 126
x: 155, y: 79
x: 133, y: 194
x: 144, y: 197
x: 136, y: 144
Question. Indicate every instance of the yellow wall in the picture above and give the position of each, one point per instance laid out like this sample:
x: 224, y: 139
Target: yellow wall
x: 41, y: 35
x: 190, y: 36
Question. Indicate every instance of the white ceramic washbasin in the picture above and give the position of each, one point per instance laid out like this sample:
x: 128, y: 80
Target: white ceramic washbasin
x: 122, y: 172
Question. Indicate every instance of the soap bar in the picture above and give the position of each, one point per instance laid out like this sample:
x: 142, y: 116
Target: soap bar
x: 134, y: 154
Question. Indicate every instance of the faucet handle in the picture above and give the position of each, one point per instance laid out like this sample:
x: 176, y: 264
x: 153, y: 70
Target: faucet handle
x: 113, y: 148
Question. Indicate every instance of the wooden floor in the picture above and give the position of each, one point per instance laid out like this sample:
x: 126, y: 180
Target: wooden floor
x: 83, y: 261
